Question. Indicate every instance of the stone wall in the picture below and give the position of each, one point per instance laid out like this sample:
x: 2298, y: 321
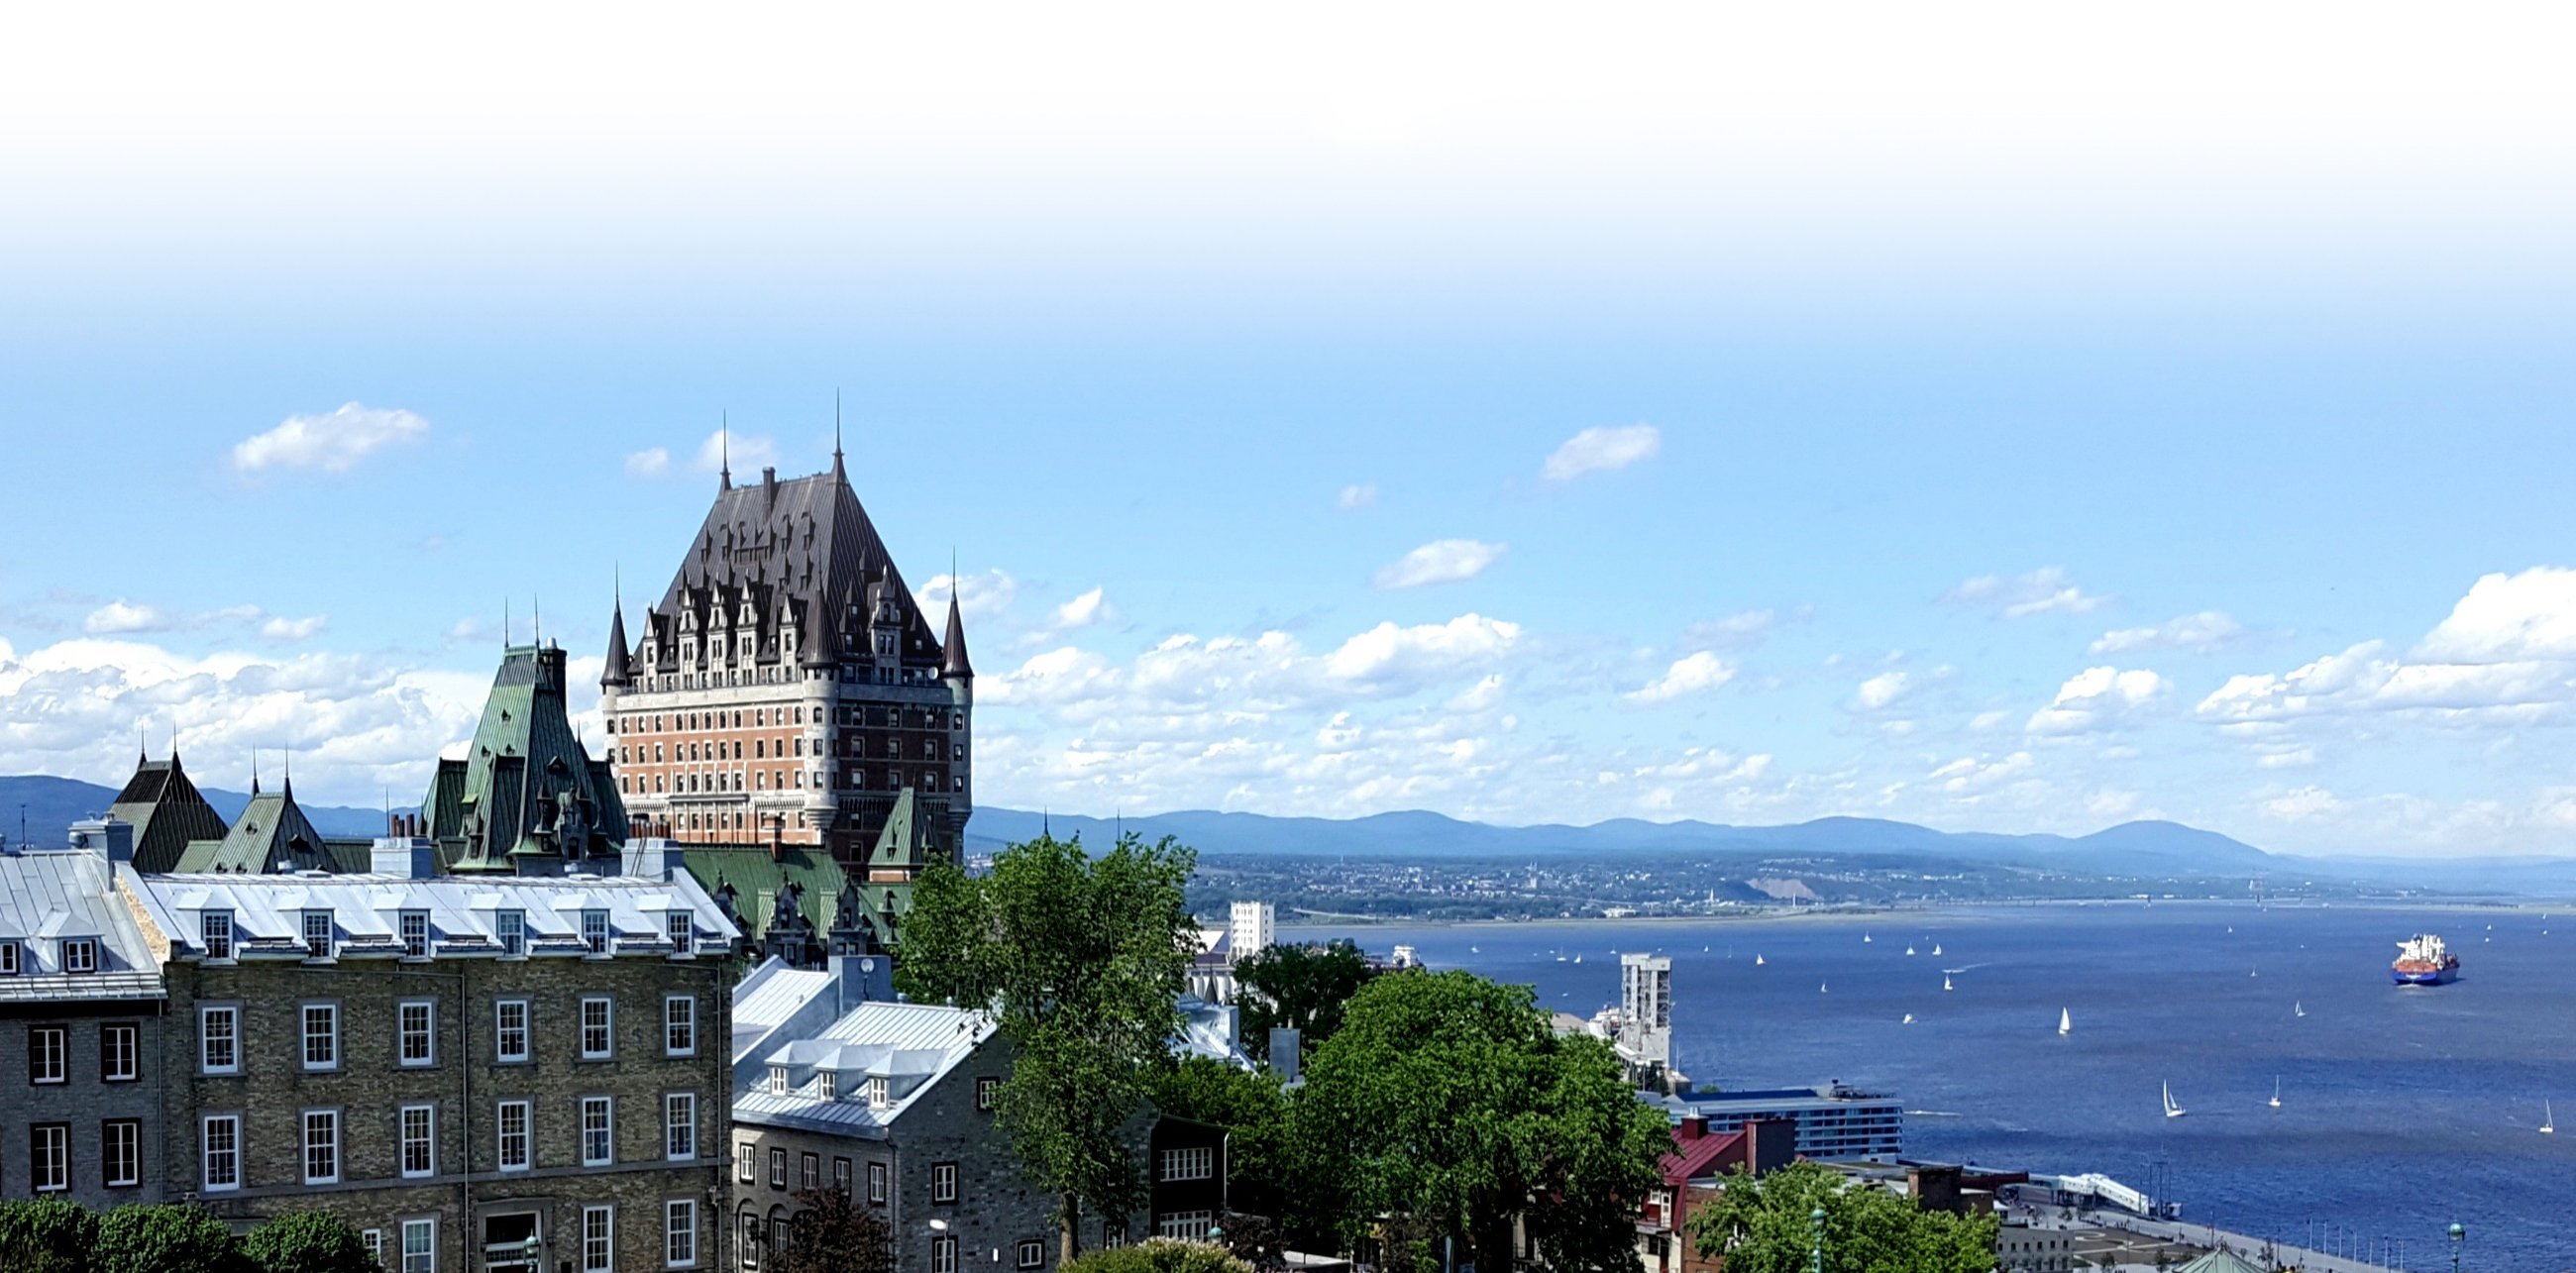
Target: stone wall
x: 85, y: 1100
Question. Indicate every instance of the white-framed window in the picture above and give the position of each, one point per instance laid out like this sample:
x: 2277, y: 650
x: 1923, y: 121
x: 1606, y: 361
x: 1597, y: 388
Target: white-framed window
x: 777, y: 1168
x: 827, y: 1085
x: 219, y: 1138
x: 745, y: 1167
x: 219, y: 1039
x: 121, y: 1153
x: 598, y: 1038
x: 510, y: 928
x: 321, y: 1036
x: 415, y: 934
x: 750, y: 1241
x: 510, y: 1125
x: 943, y: 1255
x: 679, y: 1233
x: 682, y: 927
x: 420, y: 1246
x: 215, y: 933
x: 875, y: 1089
x: 680, y: 1126
x: 877, y: 1183
x: 943, y: 1182
x: 598, y: 1145
x: 1188, y: 1226
x: 598, y: 1239
x: 419, y: 1140
x: 49, y: 1157
x: 594, y: 932
x: 510, y: 1030
x: 987, y: 1088
x: 317, y: 934
x: 417, y: 1026
x: 374, y: 1240
x: 680, y: 1025
x: 120, y: 1053
x: 1031, y: 1254
x: 778, y: 1080
x: 8, y: 959
x: 321, y: 1146
x: 48, y: 1054
x: 1195, y: 1162
x: 1113, y: 1235
x: 80, y: 954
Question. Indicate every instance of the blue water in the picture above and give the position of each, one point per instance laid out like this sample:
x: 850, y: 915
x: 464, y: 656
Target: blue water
x: 2403, y: 1109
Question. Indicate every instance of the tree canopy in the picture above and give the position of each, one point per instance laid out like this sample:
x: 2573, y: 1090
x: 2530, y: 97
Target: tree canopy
x: 1253, y: 1110
x: 308, y: 1242
x: 142, y: 1238
x: 1081, y: 961
x: 1763, y: 1225
x: 832, y: 1234
x: 1446, y: 1106
x: 1304, y: 987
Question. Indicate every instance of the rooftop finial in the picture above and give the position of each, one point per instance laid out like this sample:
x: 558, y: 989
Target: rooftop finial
x: 254, y: 771
x: 837, y: 470
x: 538, y: 609
x: 724, y: 451
x: 505, y: 623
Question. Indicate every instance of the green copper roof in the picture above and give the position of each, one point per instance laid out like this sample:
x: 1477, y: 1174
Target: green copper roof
x: 166, y: 813
x: 273, y: 835
x: 757, y: 879
x: 525, y: 788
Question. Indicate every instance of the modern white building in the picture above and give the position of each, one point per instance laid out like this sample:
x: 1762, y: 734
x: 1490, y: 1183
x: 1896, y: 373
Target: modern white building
x: 1834, y: 1121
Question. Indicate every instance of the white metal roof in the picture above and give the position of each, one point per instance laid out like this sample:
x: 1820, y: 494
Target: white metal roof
x: 268, y: 911
x: 47, y: 898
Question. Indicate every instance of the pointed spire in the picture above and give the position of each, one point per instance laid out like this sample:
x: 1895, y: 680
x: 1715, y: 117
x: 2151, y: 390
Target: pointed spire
x: 839, y: 474
x: 724, y: 451
x: 254, y: 771
x: 616, y: 671
x: 954, y: 665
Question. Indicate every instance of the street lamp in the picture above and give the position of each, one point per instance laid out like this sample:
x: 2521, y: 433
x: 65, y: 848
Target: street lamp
x: 2459, y: 1234
x: 1816, y: 1250
x: 529, y: 1249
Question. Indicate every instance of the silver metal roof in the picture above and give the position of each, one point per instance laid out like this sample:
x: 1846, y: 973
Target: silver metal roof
x: 914, y: 1045
x: 49, y: 898
x: 268, y: 911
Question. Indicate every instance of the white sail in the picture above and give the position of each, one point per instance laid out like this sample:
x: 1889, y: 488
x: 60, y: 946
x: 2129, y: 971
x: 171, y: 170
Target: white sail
x: 2298, y: 1009
x: 1936, y: 948
x: 2276, y: 1092
x: 2548, y: 1120
x: 2065, y: 1021
x: 2171, y: 1110
x: 1757, y: 959
x: 1945, y: 983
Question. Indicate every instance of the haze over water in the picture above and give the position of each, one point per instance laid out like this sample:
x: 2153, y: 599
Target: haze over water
x: 2402, y: 1109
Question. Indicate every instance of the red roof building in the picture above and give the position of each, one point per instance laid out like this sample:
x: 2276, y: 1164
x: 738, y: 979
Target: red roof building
x: 1692, y: 1175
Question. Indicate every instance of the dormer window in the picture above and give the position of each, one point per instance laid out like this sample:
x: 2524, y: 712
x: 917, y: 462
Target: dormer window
x: 215, y: 932
x: 510, y: 928
x: 594, y: 932
x: 80, y: 954
x: 415, y: 934
x: 683, y: 933
x: 876, y: 1092
x: 8, y: 959
x: 826, y: 1084
x: 778, y: 1080
x: 317, y: 934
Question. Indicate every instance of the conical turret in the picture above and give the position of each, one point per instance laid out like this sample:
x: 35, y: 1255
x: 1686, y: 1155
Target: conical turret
x: 616, y: 671
x: 955, y: 667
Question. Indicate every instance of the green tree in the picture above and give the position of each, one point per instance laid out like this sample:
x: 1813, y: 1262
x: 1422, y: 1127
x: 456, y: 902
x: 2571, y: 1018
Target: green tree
x: 834, y: 1235
x: 1160, y: 1255
x: 1254, y: 1112
x: 1445, y: 1107
x: 1300, y: 986
x: 1763, y: 1226
x: 46, y: 1235
x: 1080, y: 960
x: 308, y: 1242
x: 158, y: 1238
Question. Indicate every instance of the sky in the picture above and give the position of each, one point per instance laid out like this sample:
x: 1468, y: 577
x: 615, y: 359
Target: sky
x: 2004, y: 417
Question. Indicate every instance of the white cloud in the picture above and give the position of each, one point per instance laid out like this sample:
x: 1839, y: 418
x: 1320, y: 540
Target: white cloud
x: 986, y: 595
x: 1359, y: 496
x: 1390, y: 655
x: 1988, y: 720
x: 2043, y: 591
x: 288, y: 631
x: 121, y: 616
x: 1440, y: 561
x: 2302, y: 804
x: 333, y: 442
x: 2098, y: 698
x: 1690, y: 674
x: 1968, y: 774
x: 2287, y: 758
x: 2205, y: 631
x: 1881, y: 690
x: 652, y: 461
x: 1084, y: 611
x: 2508, y: 619
x: 745, y: 452
x: 1600, y: 450
x: 1740, y: 631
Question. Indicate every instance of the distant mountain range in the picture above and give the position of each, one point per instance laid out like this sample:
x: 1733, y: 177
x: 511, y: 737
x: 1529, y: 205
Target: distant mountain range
x: 52, y: 805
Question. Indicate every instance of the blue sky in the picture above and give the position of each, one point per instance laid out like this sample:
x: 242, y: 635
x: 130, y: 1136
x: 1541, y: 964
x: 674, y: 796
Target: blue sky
x: 2017, y: 420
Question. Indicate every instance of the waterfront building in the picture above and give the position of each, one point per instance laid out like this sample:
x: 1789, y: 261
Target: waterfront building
x: 478, y: 1072
x: 83, y: 989
x: 1250, y: 929
x: 787, y: 689
x: 2020, y: 1248
x: 1833, y: 1121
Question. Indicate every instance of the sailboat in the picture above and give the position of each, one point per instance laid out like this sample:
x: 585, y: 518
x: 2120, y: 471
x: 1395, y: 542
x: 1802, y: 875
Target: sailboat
x: 2065, y: 1022
x: 1909, y: 1018
x: 1757, y: 959
x: 1945, y: 983
x: 1864, y: 939
x: 1578, y: 959
x: 2276, y: 1091
x: 1936, y: 948
x: 2298, y: 1009
x: 2171, y: 1110
x: 2548, y: 1120
x: 1909, y: 950
x: 1820, y: 987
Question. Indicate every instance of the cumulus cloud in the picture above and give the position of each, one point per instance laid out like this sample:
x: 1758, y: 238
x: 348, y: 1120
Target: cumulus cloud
x: 2205, y: 631
x: 287, y: 631
x: 2521, y: 618
x: 985, y: 596
x: 1090, y: 608
x: 1600, y: 450
x: 1970, y: 774
x: 2099, y: 698
x: 332, y: 442
x: 2301, y: 804
x: 652, y: 461
x: 2043, y: 591
x: 1690, y: 674
x: 746, y: 452
x: 1881, y: 690
x: 126, y: 618
x: 1440, y: 561
x: 1359, y: 496
x: 1742, y: 630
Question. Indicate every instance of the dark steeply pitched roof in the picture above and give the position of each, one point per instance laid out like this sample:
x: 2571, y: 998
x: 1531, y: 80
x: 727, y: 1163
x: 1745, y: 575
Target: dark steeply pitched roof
x: 274, y: 835
x: 166, y: 812
x: 526, y: 788
x: 956, y: 665
x: 758, y: 879
x: 614, y: 673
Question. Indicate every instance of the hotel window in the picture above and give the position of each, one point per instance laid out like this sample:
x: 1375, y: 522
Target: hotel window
x: 420, y: 1246
x: 594, y: 932
x: 120, y: 1053
x: 418, y: 1030
x: 215, y: 933
x: 419, y: 1140
x: 317, y: 934
x: 680, y: 1126
x: 321, y: 1036
x: 681, y: 926
x: 1197, y: 1162
x: 1188, y: 1226
x: 121, y: 1153
x: 877, y: 1183
x: 679, y: 1234
x: 777, y: 1168
x: 321, y: 1146
x: 597, y: 1040
x: 8, y: 959
x: 598, y: 1147
x: 680, y: 1026
x: 943, y: 1255
x: 512, y: 1128
x: 219, y: 1039
x: 510, y: 1030
x: 47, y: 1059
x: 598, y: 1233
x: 80, y: 954
x: 415, y: 934
x: 943, y: 1182
x: 49, y: 1157
x: 1032, y: 1255
x: 222, y: 1150
x: 511, y: 929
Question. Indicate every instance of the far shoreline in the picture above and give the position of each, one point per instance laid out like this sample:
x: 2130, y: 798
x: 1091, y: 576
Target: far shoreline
x: 1857, y: 914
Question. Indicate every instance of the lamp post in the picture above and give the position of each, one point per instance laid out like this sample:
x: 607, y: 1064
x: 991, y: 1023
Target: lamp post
x: 1816, y: 1249
x: 2459, y: 1234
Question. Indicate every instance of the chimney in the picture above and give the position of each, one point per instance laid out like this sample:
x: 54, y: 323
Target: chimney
x: 1285, y: 1040
x: 110, y: 836
x: 858, y: 979
x: 402, y: 855
x: 1693, y: 1127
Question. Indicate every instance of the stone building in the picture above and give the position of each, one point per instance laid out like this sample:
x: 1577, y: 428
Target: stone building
x: 498, y: 1072
x: 787, y: 689
x: 83, y: 992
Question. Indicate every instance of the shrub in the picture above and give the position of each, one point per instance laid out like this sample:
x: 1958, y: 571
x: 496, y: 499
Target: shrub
x: 1159, y: 1255
x: 46, y: 1235
x: 138, y: 1238
x: 308, y: 1242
